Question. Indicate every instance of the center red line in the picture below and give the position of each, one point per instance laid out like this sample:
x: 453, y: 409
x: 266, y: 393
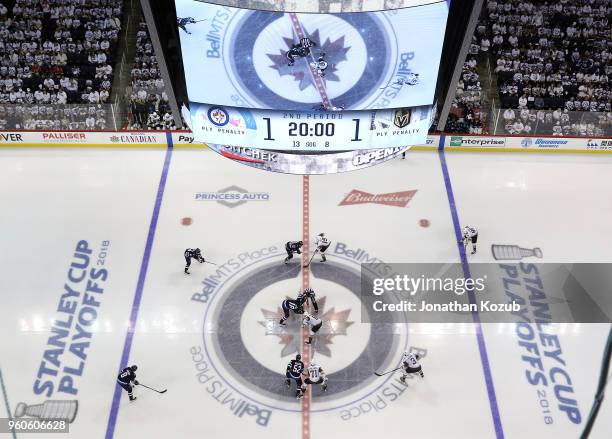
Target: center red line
x: 318, y: 82
x: 305, y: 284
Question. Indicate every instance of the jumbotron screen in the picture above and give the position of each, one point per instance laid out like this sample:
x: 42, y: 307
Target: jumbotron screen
x: 305, y: 62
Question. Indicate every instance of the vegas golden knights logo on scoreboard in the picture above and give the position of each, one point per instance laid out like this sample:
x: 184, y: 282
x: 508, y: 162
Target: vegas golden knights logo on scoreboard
x: 402, y: 117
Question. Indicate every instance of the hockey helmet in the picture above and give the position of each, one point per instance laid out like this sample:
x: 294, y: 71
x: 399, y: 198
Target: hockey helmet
x: 134, y: 368
x: 298, y: 357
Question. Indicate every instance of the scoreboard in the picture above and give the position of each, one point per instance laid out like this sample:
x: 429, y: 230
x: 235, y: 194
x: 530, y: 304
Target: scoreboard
x: 310, y: 131
x: 302, y: 82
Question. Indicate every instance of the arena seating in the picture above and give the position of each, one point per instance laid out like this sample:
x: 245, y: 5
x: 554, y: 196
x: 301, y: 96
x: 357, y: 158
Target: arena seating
x: 53, y: 56
x: 552, y: 64
x: 465, y: 115
x: 550, y: 61
x: 148, y: 100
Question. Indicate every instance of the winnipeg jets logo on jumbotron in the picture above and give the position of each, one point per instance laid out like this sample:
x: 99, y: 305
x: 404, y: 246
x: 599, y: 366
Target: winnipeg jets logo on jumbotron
x: 338, y: 69
x: 333, y: 53
x: 218, y: 116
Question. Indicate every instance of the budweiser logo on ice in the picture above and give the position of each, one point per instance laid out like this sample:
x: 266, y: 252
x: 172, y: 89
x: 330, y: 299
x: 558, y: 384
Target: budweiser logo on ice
x: 399, y: 199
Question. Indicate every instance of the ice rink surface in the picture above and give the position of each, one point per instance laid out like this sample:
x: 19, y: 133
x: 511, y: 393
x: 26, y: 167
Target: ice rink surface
x: 92, y: 279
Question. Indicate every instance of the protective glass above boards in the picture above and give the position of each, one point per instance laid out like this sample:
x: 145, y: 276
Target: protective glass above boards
x: 322, y: 6
x: 303, y: 132
x: 296, y: 61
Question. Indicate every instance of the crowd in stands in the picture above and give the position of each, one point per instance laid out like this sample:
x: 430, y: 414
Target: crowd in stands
x: 53, y: 117
x: 53, y: 55
x: 552, y: 63
x: 465, y: 115
x: 149, y: 104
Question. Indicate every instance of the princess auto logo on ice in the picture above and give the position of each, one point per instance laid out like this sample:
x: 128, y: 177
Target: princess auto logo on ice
x: 241, y: 360
x: 232, y: 196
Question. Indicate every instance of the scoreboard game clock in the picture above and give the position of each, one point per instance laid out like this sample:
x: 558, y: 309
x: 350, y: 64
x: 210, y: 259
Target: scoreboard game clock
x: 310, y: 131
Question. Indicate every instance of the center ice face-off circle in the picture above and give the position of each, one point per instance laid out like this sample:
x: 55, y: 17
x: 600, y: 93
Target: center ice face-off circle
x: 355, y: 73
x: 240, y: 363
x: 342, y: 331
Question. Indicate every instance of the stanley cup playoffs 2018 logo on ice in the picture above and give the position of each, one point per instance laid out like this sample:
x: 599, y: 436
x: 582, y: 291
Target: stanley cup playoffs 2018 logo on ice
x: 244, y: 351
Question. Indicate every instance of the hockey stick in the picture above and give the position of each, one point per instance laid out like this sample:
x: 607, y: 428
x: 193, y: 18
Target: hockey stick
x: 313, y: 254
x: 212, y: 263
x: 151, y: 388
x: 387, y: 373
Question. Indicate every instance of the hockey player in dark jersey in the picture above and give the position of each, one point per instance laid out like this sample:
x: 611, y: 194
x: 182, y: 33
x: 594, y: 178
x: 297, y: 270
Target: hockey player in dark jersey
x: 297, y: 305
x: 293, y: 247
x: 183, y: 22
x: 126, y: 379
x: 288, y: 305
x: 191, y: 253
x: 299, y: 50
x: 295, y: 368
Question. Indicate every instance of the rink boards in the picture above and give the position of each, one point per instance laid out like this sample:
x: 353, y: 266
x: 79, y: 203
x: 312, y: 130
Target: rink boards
x: 93, y: 245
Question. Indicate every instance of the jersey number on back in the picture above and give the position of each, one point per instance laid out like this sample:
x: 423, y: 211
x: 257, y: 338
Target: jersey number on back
x: 314, y: 374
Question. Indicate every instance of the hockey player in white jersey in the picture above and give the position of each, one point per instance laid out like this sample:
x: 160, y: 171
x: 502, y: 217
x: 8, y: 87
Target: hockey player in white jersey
x: 410, y: 364
x: 314, y: 323
x: 320, y: 65
x: 316, y: 375
x: 470, y: 234
x: 322, y: 243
